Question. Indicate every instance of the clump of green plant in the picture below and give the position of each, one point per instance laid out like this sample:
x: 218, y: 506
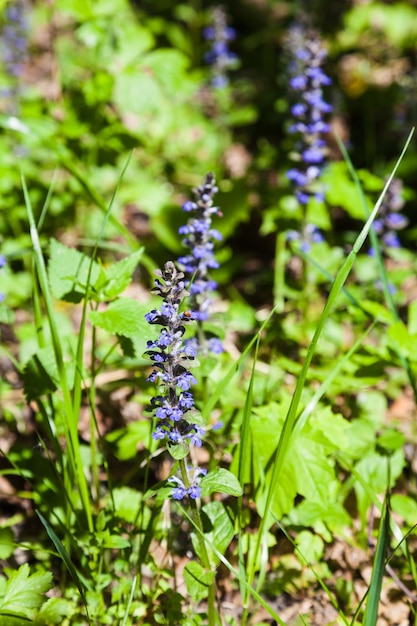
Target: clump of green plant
x: 187, y: 451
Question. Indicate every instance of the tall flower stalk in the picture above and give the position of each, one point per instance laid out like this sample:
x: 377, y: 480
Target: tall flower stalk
x: 219, y: 56
x: 186, y: 298
x: 309, y: 112
x: 178, y: 422
x: 14, y: 45
x: 200, y: 237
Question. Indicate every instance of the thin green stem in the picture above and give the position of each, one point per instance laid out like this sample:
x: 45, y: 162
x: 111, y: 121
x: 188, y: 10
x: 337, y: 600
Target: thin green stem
x: 212, y: 613
x: 93, y: 440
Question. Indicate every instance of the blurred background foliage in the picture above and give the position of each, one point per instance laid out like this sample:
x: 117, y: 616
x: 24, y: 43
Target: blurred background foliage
x: 105, y: 79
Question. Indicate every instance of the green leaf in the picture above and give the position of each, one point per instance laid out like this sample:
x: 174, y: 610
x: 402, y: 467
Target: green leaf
x: 162, y: 491
x: 198, y: 580
x: 218, y: 528
x: 314, y: 513
x: 309, y: 468
x: 169, y: 67
x: 178, y: 451
x: 63, y: 553
x: 10, y: 620
x: 127, y: 439
x: 40, y: 375
x: 310, y: 545
x: 390, y: 440
x: 341, y: 190
x: 371, y: 477
x: 117, y: 276
x: 54, y: 611
x: 24, y: 591
x: 378, y: 569
x: 220, y: 481
x: 123, y: 317
x: 68, y: 271
x: 406, y: 507
x: 126, y: 503
x: 405, y: 342
x: 116, y: 542
x: 6, y: 543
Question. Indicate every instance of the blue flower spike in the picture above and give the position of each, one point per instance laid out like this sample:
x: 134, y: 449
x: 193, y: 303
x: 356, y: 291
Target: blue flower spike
x: 219, y: 56
x: 309, y: 112
x: 178, y: 422
x: 200, y: 238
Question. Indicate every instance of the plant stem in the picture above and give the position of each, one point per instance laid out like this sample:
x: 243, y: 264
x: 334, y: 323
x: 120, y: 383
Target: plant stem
x: 211, y: 600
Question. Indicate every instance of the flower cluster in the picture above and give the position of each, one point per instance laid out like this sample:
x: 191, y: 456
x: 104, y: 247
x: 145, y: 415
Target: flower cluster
x: 199, y: 237
x: 172, y: 357
x: 194, y: 490
x: 14, y: 44
x: 390, y: 219
x: 310, y: 234
x: 219, y: 56
x: 307, y: 82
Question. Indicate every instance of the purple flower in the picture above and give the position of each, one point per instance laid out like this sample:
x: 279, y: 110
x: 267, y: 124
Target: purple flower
x: 390, y: 220
x: 215, y: 345
x: 194, y: 490
x: 179, y: 492
x: 309, y: 235
x: 219, y: 55
x: 170, y: 355
x: 14, y: 45
x: 199, y: 237
x: 306, y: 83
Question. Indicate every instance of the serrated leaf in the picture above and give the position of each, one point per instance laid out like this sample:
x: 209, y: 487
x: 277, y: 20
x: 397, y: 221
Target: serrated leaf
x: 40, y: 374
x: 24, y: 591
x: 178, y: 451
x: 218, y: 529
x: 310, y: 545
x: 309, y: 467
x: 312, y: 512
x: 198, y: 580
x: 68, y: 271
x: 126, y: 317
x: 220, y: 481
x: 116, y: 277
x: 54, y: 611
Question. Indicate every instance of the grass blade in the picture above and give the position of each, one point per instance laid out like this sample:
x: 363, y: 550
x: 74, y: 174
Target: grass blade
x: 80, y: 582
x: 286, y: 433
x: 71, y: 421
x: 378, y: 569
